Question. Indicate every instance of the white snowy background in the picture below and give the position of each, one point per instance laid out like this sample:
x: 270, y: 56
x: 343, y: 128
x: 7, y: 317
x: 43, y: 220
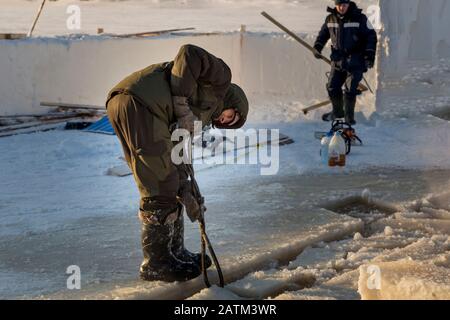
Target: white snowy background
x: 280, y: 236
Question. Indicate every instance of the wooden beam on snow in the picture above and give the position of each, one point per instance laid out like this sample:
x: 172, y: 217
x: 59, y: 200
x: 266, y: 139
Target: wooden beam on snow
x: 151, y: 33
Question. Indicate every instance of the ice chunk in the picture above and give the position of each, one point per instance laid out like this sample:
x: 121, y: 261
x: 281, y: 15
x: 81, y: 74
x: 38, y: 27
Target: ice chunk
x: 262, y: 284
x: 428, y: 225
x: 215, y: 293
x: 347, y: 280
x: 317, y: 257
x: 388, y: 231
x: 358, y: 236
x: 404, y: 280
x: 423, y: 249
x: 323, y: 292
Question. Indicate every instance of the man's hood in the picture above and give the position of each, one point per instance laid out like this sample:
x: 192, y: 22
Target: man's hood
x: 236, y: 99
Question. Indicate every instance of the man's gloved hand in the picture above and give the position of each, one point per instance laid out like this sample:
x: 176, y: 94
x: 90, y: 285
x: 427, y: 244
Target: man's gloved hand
x: 369, y: 60
x: 317, y: 53
x: 189, y: 201
x: 183, y: 113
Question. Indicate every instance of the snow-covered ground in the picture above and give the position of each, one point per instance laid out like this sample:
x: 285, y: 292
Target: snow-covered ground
x: 377, y: 229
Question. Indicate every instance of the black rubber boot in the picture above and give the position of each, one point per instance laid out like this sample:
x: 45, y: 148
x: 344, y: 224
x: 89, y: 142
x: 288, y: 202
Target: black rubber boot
x: 178, y: 248
x: 349, y: 106
x: 160, y: 263
x: 338, y: 109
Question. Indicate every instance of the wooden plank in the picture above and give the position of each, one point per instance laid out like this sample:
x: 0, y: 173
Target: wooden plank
x: 36, y: 123
x: 12, y: 36
x: 199, y: 34
x: 51, y: 115
x: 151, y: 33
x: 71, y: 106
x: 20, y: 116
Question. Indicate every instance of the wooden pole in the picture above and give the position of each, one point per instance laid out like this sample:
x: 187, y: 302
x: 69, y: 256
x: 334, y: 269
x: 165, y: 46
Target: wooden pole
x: 36, y: 19
x: 293, y: 35
x: 316, y: 106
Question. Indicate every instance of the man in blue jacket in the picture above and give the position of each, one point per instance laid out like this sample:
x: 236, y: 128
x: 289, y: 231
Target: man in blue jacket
x: 353, y: 51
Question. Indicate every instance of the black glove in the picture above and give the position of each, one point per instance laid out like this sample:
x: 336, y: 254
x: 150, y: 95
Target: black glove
x: 193, y: 208
x: 369, y: 60
x: 317, y: 53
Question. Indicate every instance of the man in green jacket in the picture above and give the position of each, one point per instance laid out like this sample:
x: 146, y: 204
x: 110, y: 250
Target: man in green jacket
x: 144, y: 109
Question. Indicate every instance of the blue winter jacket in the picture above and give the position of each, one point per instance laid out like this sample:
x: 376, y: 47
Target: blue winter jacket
x: 353, y: 39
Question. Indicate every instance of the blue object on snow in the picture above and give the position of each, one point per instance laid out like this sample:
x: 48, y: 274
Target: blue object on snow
x: 101, y: 126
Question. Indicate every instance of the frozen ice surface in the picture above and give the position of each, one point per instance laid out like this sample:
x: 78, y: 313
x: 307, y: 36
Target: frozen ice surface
x: 58, y: 208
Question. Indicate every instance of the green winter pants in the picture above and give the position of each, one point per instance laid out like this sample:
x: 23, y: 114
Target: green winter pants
x: 147, y: 146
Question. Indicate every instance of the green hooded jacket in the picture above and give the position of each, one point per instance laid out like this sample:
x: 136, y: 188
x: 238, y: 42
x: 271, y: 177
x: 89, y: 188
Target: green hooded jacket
x: 196, y: 74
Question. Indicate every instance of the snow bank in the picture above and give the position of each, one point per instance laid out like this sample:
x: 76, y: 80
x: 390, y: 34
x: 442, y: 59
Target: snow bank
x: 404, y: 280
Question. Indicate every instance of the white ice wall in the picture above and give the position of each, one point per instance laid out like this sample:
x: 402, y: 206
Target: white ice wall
x: 278, y: 65
x: 413, y: 30
x: 83, y: 71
